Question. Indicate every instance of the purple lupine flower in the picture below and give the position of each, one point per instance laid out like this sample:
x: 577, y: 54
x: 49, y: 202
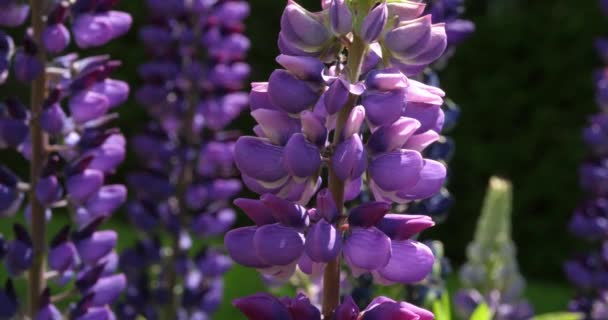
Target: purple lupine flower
x: 8, y: 300
x: 264, y: 306
x: 587, y: 271
x: 13, y: 13
x: 76, y: 150
x: 186, y: 178
x: 382, y: 120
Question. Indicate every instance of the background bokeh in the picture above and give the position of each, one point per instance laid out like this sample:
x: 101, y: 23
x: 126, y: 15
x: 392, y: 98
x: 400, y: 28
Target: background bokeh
x: 524, y: 83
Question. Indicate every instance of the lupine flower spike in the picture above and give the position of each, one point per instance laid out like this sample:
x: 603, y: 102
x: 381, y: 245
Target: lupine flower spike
x: 186, y: 178
x: 65, y: 133
x: 340, y: 105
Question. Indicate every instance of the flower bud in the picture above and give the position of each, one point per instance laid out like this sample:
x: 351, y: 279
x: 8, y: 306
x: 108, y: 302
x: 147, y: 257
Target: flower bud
x: 55, y: 38
x: 350, y: 159
x: 302, y: 158
x: 340, y: 17
x: 336, y: 96
x: 374, y: 23
x: 93, y: 30
x: 290, y: 93
x: 13, y: 14
x: 301, y: 31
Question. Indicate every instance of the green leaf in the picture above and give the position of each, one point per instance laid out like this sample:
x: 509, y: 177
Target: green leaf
x: 482, y: 312
x: 441, y: 308
x: 559, y: 316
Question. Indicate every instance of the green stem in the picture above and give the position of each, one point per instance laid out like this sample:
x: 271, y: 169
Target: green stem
x: 331, y: 277
x: 184, y: 181
x: 36, y: 280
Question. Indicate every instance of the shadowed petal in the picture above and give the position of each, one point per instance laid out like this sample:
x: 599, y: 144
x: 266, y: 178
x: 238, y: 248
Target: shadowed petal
x: 410, y: 262
x: 367, y: 249
x: 278, y: 245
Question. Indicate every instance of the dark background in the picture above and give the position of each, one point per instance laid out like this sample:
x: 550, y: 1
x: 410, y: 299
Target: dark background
x: 524, y: 84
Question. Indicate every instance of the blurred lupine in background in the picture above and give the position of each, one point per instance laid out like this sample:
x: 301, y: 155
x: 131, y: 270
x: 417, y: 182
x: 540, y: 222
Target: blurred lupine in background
x: 589, y: 271
x: 65, y: 133
x: 449, y: 12
x: 342, y: 114
x: 186, y: 179
x: 491, y: 277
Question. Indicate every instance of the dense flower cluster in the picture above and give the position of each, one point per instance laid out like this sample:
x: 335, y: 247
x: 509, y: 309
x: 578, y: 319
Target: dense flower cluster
x: 491, y: 274
x: 589, y: 221
x: 437, y: 206
x: 360, y: 118
x: 185, y: 181
x: 69, y: 135
x: 263, y: 306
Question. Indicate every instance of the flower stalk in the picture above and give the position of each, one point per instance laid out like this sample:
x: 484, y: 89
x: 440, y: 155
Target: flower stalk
x: 331, y: 277
x: 37, y: 283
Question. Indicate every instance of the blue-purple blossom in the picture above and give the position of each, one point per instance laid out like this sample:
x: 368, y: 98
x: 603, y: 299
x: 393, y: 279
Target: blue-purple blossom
x: 366, y: 121
x: 263, y: 306
x: 587, y: 271
x: 65, y: 133
x: 182, y: 189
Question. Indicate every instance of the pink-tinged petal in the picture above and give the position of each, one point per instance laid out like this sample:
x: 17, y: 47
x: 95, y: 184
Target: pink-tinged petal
x: 420, y: 312
x: 281, y: 273
x: 347, y: 310
x: 97, y: 246
x: 313, y: 127
x: 326, y: 206
x: 88, y: 105
x: 276, y: 125
x: 389, y: 310
x: 350, y: 159
x: 354, y: 122
x: 410, y: 262
x: 384, y: 107
x: 302, y: 158
x: 406, y: 10
x: 419, y: 142
x: 258, y: 159
x: 290, y: 93
x: 340, y: 17
x: 302, y: 29
x: 390, y: 137
x: 305, y: 68
x: 435, y: 47
x: 404, y: 226
x: 368, y: 214
x: 409, y: 38
x: 259, y: 98
x: 107, y: 289
x: 239, y: 243
x: 278, y: 245
x: 311, y: 268
x: 378, y: 301
x: 116, y: 91
x: 373, y: 23
x: 259, y: 213
x: 286, y: 212
x: 336, y: 96
x: 300, y: 191
x: 323, y: 242
x: 353, y: 189
x: 367, y: 248
x: 262, y: 306
x: 396, y: 170
x: 386, y: 79
x: 429, y: 115
x: 419, y: 92
x: 432, y: 178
